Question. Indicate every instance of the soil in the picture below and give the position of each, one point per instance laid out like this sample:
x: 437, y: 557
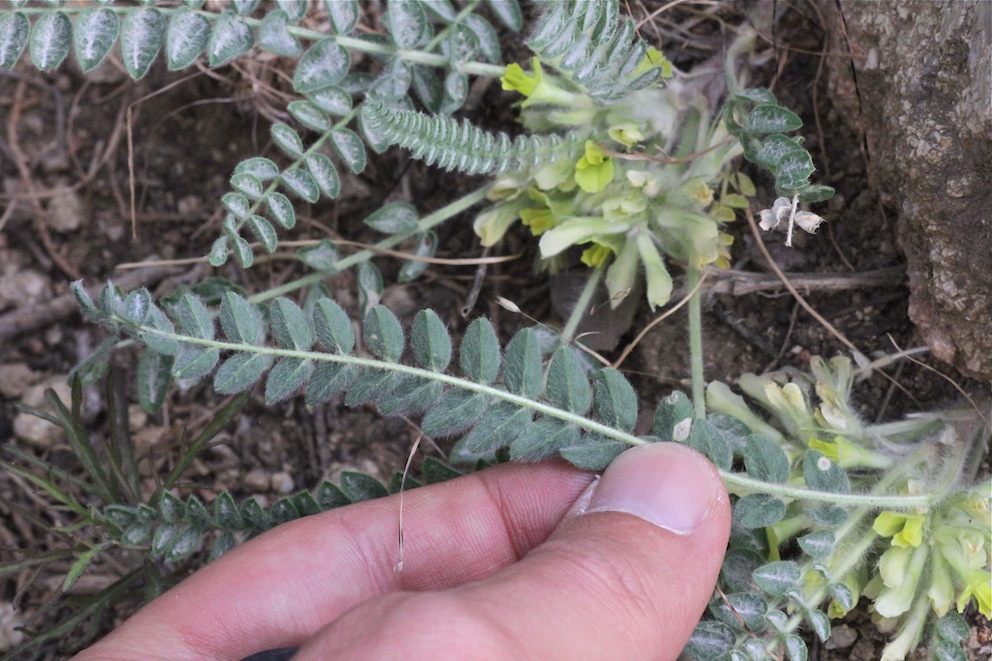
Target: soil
x: 66, y: 213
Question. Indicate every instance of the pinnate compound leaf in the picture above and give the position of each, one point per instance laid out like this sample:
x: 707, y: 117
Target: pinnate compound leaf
x: 544, y: 439
x: 360, y: 487
x: 412, y: 397
x: 281, y: 209
x: 15, y: 29
x: 289, y: 325
x: 287, y: 139
x: 240, y: 320
x: 383, y: 334
x: 230, y: 38
x: 817, y: 545
x: 301, y: 183
x: 673, y: 419
x: 394, y: 218
x: 704, y: 437
x: 274, y: 37
x: 51, y: 39
x: 430, y: 341
x: 349, y: 147
x: 332, y: 99
x: 614, y: 401
x: 765, y: 460
x: 777, y: 578
x: 194, y: 318
x: 333, y: 327
x: 154, y: 377
x: 479, y: 356
x: 310, y: 115
x: 758, y: 510
x: 741, y: 611
x: 325, y: 63
x: 457, y: 411
x: 185, y: 38
x: 408, y: 24
x: 264, y: 233
x: 240, y: 372
x: 773, y: 118
x: 567, y: 387
x: 495, y: 429
x: 258, y: 167
x: 286, y: 378
x: 821, y: 474
x: 325, y: 174
x: 372, y: 386
x: 94, y: 35
x: 328, y: 380
x: 593, y: 452
x: 710, y: 640
x: 522, y: 369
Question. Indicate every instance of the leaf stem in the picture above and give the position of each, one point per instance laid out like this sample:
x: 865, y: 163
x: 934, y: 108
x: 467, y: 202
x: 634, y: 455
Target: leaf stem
x: 581, y: 305
x: 696, y: 344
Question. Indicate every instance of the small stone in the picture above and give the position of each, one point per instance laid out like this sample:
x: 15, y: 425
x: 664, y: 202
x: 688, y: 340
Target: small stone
x: 282, y: 483
x: 31, y: 428
x: 65, y: 212
x: 22, y: 288
x: 10, y: 624
x: 842, y: 636
x: 257, y: 480
x: 16, y: 378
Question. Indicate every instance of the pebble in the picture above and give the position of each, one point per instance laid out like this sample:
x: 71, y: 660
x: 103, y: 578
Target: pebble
x: 65, y: 212
x: 22, y: 288
x: 257, y: 480
x: 10, y: 625
x: 16, y: 378
x: 282, y: 483
x: 842, y: 636
x: 31, y: 428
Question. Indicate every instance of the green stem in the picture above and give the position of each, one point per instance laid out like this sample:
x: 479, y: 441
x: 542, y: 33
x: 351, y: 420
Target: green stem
x: 581, y: 305
x: 696, y: 344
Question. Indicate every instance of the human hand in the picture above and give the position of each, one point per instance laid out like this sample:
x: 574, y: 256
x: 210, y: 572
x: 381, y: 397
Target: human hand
x: 492, y: 571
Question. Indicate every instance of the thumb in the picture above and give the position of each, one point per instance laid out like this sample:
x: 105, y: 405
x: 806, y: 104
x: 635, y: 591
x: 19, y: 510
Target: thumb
x: 626, y: 576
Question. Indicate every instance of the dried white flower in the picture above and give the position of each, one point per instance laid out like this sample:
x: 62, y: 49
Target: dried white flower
x: 786, y: 210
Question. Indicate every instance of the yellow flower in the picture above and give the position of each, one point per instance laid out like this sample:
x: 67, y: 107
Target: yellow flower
x: 904, y: 529
x: 536, y: 87
x: 654, y: 59
x: 626, y: 133
x: 538, y: 220
x: 594, y: 171
x: 596, y: 254
x: 978, y: 585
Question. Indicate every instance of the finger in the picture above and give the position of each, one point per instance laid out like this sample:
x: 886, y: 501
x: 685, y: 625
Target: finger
x: 628, y: 578
x: 279, y: 589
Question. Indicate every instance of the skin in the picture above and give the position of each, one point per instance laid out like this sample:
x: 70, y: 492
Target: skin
x: 501, y: 564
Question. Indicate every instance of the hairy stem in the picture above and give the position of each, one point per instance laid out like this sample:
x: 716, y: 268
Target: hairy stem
x: 696, y: 344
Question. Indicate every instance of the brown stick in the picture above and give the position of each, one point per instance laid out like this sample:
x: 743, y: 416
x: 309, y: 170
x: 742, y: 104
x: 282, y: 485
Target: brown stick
x: 739, y: 283
x: 33, y: 317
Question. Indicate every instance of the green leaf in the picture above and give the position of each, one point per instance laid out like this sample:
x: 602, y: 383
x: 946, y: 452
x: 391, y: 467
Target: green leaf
x: 325, y: 174
x: 442, y: 9
x: 508, y: 12
x: 455, y: 92
x: 296, y: 9
x: 758, y: 95
x: 673, y: 419
x: 774, y: 149
x: 457, y: 411
x: 821, y: 474
x: 310, y: 115
x: 383, y: 334
x: 815, y: 193
x: 733, y: 431
x: 247, y: 183
x: 412, y: 397
x: 333, y: 327
x: 94, y: 366
x: 741, y: 611
x: 287, y: 139
x: 614, y: 402
x: 142, y: 36
x: 738, y: 564
x: 258, y: 167
x: 83, y: 561
x: 154, y: 377
x: 496, y: 429
x: 710, y: 640
x: 325, y: 63
x: 332, y: 100
x: 487, y: 38
x: 952, y: 627
x: 240, y: 372
x: 330, y: 496
x: 758, y: 510
x: 407, y: 24
x: 51, y: 39
x: 543, y: 439
x: 245, y: 7
x: 95, y: 32
x: 196, y: 514
x: 430, y: 341
x: 436, y: 471
x: 14, y: 31
x: 350, y: 148
x: 765, y: 460
x: 136, y: 306
x: 796, y: 648
x: 185, y: 38
x: 193, y: 363
x: 273, y: 35
x: 369, y: 286
x: 329, y: 379
x: 372, y: 386
x: 223, y: 543
x: 522, y: 369
x: 344, y: 15
x: 321, y: 257
x: 413, y: 268
x: 194, y: 318
x: 460, y: 45
x: 427, y: 87
x: 286, y: 378
x: 817, y: 545
x: 255, y: 517
x: 281, y: 209
x: 306, y: 504
x: 226, y: 513
x: 237, y: 204
x: 136, y: 533
x: 479, y: 356
x: 777, y: 578
x: 289, y: 325
x: 820, y: 623
x: 794, y: 170
x: 219, y: 252
x: 301, y: 183
x: 264, y: 232
x: 394, y: 218
x: 230, y: 38
x: 171, y: 507
x: 394, y: 82
x: 704, y: 437
x: 593, y: 452
x: 827, y: 515
x: 567, y: 386
x: 360, y: 487
x: 240, y: 320
x: 945, y: 650
x: 184, y: 545
x: 769, y: 118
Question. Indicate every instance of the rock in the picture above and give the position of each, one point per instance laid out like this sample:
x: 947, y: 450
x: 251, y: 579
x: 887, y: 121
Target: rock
x: 65, y: 212
x: 10, y: 624
x: 31, y: 428
x: 16, y: 378
x: 22, y: 288
x: 282, y: 483
x: 924, y: 78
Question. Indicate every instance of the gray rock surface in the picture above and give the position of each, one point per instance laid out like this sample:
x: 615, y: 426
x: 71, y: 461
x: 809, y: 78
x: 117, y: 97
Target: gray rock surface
x: 923, y: 100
